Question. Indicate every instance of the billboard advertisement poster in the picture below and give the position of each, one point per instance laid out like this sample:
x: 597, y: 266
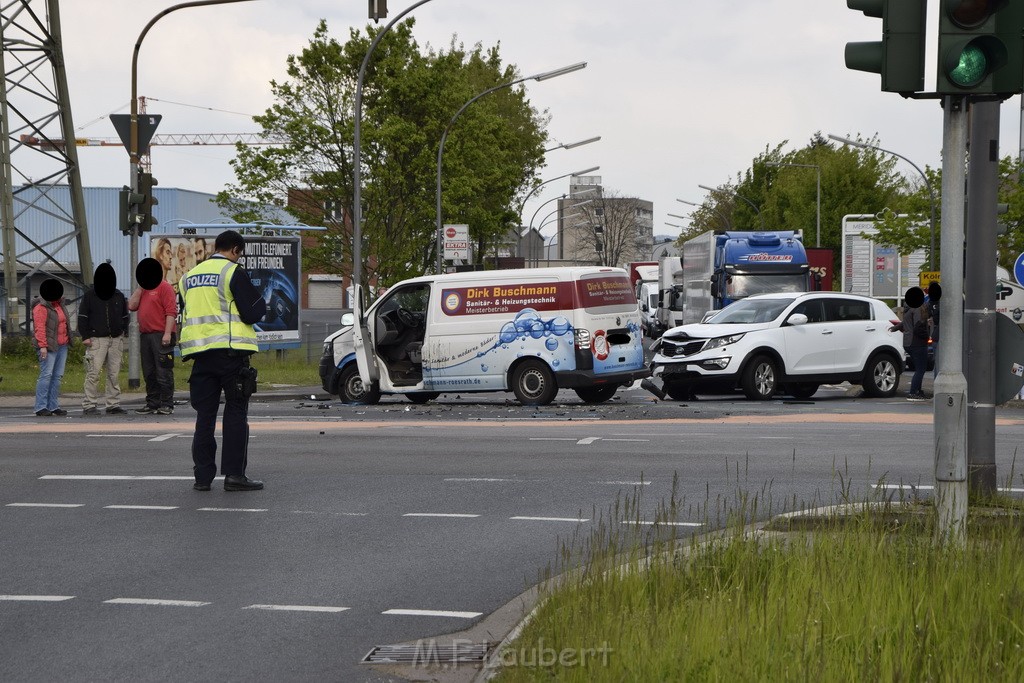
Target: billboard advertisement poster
x: 273, y: 267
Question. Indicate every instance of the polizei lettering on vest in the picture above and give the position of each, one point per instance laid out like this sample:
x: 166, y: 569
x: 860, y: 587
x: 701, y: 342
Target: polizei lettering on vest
x: 203, y: 280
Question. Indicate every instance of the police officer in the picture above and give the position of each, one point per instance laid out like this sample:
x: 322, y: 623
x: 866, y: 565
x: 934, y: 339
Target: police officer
x: 221, y: 305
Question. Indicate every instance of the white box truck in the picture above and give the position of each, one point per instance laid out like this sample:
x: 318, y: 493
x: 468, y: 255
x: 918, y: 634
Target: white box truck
x: 531, y: 332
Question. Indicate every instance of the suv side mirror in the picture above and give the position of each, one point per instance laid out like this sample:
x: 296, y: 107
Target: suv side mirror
x: 797, y: 319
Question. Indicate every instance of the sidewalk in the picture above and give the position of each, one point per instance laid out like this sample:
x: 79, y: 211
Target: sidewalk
x: 134, y: 398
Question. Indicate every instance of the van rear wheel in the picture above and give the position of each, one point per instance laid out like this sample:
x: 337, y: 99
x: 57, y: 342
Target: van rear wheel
x: 533, y: 383
x: 352, y: 390
x: 596, y: 394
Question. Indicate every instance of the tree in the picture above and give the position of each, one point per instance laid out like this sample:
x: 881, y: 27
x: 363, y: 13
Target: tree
x: 610, y: 230
x: 409, y: 97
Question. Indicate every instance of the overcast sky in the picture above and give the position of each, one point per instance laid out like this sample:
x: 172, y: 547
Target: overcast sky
x: 682, y: 92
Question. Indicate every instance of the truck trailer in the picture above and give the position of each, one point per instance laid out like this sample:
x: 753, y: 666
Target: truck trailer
x: 717, y: 269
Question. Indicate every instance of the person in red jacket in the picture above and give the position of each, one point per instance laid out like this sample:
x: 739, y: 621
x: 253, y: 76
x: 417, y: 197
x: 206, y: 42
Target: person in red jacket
x: 52, y: 337
x: 158, y: 309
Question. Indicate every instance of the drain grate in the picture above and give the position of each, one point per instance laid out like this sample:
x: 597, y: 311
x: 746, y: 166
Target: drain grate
x: 429, y: 653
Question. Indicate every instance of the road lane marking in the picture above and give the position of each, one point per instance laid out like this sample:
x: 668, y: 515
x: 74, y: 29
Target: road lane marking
x: 232, y: 509
x: 164, y: 437
x: 588, y: 440
x: 431, y: 613
x: 117, y: 477
x: 625, y: 483
x: 298, y: 608
x: 930, y: 487
x: 485, y: 479
x: 438, y: 514
x: 46, y: 505
x: 117, y: 436
x: 36, y: 598
x: 646, y: 523
x: 140, y: 507
x: 552, y: 519
x: 152, y: 602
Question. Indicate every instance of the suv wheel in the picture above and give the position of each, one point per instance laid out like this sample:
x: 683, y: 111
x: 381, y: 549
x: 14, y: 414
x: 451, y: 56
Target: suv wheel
x: 352, y: 390
x: 881, y: 376
x: 760, y: 379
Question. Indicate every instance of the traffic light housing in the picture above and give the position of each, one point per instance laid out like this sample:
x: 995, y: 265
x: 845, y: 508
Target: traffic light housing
x: 146, y: 184
x: 131, y: 213
x: 378, y: 9
x: 899, y: 56
x: 981, y: 47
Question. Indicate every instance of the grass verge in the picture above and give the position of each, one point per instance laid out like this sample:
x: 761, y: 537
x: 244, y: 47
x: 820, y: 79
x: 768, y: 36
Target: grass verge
x: 863, y: 596
x: 20, y: 369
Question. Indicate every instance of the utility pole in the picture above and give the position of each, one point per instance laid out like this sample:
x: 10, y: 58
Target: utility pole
x: 980, y: 296
x: 949, y: 400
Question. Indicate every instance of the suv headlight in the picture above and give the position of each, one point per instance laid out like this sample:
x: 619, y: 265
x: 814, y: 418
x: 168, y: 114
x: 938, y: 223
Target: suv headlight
x: 722, y: 341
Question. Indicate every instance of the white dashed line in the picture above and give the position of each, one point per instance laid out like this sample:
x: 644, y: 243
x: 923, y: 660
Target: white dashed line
x: 588, y: 440
x: 36, y: 598
x: 117, y: 436
x: 298, y: 608
x: 164, y: 437
x: 646, y: 523
x: 552, y: 519
x: 625, y: 483
x: 438, y: 514
x: 117, y: 477
x: 232, y: 509
x: 152, y: 602
x: 431, y: 613
x: 46, y: 505
x: 140, y: 507
x: 485, y: 479
x: 929, y: 487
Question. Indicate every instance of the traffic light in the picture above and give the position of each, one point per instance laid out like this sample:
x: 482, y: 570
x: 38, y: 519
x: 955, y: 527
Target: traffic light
x: 981, y: 47
x: 899, y: 56
x: 146, y: 184
x: 378, y: 9
x: 130, y: 209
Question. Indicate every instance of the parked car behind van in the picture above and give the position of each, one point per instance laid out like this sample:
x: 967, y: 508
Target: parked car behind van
x: 531, y: 332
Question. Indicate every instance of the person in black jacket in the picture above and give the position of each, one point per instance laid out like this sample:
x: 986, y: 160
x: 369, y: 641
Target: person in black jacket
x: 103, y: 324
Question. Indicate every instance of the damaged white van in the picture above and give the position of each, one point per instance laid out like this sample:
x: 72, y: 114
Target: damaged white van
x: 531, y: 332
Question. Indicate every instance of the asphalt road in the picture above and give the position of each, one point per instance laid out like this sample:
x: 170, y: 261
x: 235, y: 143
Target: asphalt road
x: 381, y: 524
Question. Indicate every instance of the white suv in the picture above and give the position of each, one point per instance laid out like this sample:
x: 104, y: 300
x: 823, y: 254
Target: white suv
x: 784, y: 343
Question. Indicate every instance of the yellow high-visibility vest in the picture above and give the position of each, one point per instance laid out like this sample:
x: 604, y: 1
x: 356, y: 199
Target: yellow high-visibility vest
x: 210, y: 319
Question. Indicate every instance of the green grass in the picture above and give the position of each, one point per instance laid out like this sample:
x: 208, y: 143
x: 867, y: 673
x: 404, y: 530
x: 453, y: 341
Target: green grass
x: 866, y: 599
x: 20, y: 369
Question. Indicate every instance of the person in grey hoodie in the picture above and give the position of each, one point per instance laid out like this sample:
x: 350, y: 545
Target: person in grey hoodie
x: 914, y: 326
x: 103, y: 324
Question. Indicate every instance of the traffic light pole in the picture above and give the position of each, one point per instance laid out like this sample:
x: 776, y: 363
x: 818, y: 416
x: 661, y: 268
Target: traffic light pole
x: 980, y: 296
x: 949, y: 403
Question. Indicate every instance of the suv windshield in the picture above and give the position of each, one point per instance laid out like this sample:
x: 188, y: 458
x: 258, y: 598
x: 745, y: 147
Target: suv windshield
x: 751, y: 311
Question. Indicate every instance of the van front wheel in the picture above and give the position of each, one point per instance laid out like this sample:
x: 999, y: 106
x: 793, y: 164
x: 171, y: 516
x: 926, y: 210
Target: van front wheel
x: 352, y: 390
x: 596, y: 394
x: 533, y: 383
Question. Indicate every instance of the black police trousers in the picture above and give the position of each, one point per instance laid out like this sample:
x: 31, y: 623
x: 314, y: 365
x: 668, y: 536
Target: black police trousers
x: 215, y: 371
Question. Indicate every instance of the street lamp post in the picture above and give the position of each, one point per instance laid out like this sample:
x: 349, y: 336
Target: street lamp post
x: 444, y: 136
x: 817, y: 168
x: 357, y: 120
x: 574, y: 174
x: 738, y: 196
x: 134, y: 352
x: 725, y: 219
x: 573, y: 145
x: 927, y: 182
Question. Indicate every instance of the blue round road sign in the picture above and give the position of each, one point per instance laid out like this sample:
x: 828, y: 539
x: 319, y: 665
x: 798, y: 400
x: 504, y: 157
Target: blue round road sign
x: 1018, y: 270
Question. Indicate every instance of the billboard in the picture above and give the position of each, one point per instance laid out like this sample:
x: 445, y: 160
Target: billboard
x: 273, y: 267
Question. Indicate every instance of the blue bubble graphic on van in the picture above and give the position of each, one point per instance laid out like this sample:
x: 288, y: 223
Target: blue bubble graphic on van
x: 551, y: 343
x: 537, y: 329
x: 508, y: 333
x: 558, y: 325
x: 483, y: 367
x: 524, y: 320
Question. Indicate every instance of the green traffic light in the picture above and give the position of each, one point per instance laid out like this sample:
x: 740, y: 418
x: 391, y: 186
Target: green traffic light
x: 972, y: 67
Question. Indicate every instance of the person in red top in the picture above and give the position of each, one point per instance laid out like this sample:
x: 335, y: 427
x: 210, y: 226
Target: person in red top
x: 157, y: 308
x: 52, y: 336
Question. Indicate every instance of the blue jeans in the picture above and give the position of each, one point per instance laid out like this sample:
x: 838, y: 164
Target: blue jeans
x: 51, y: 372
x: 919, y: 356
